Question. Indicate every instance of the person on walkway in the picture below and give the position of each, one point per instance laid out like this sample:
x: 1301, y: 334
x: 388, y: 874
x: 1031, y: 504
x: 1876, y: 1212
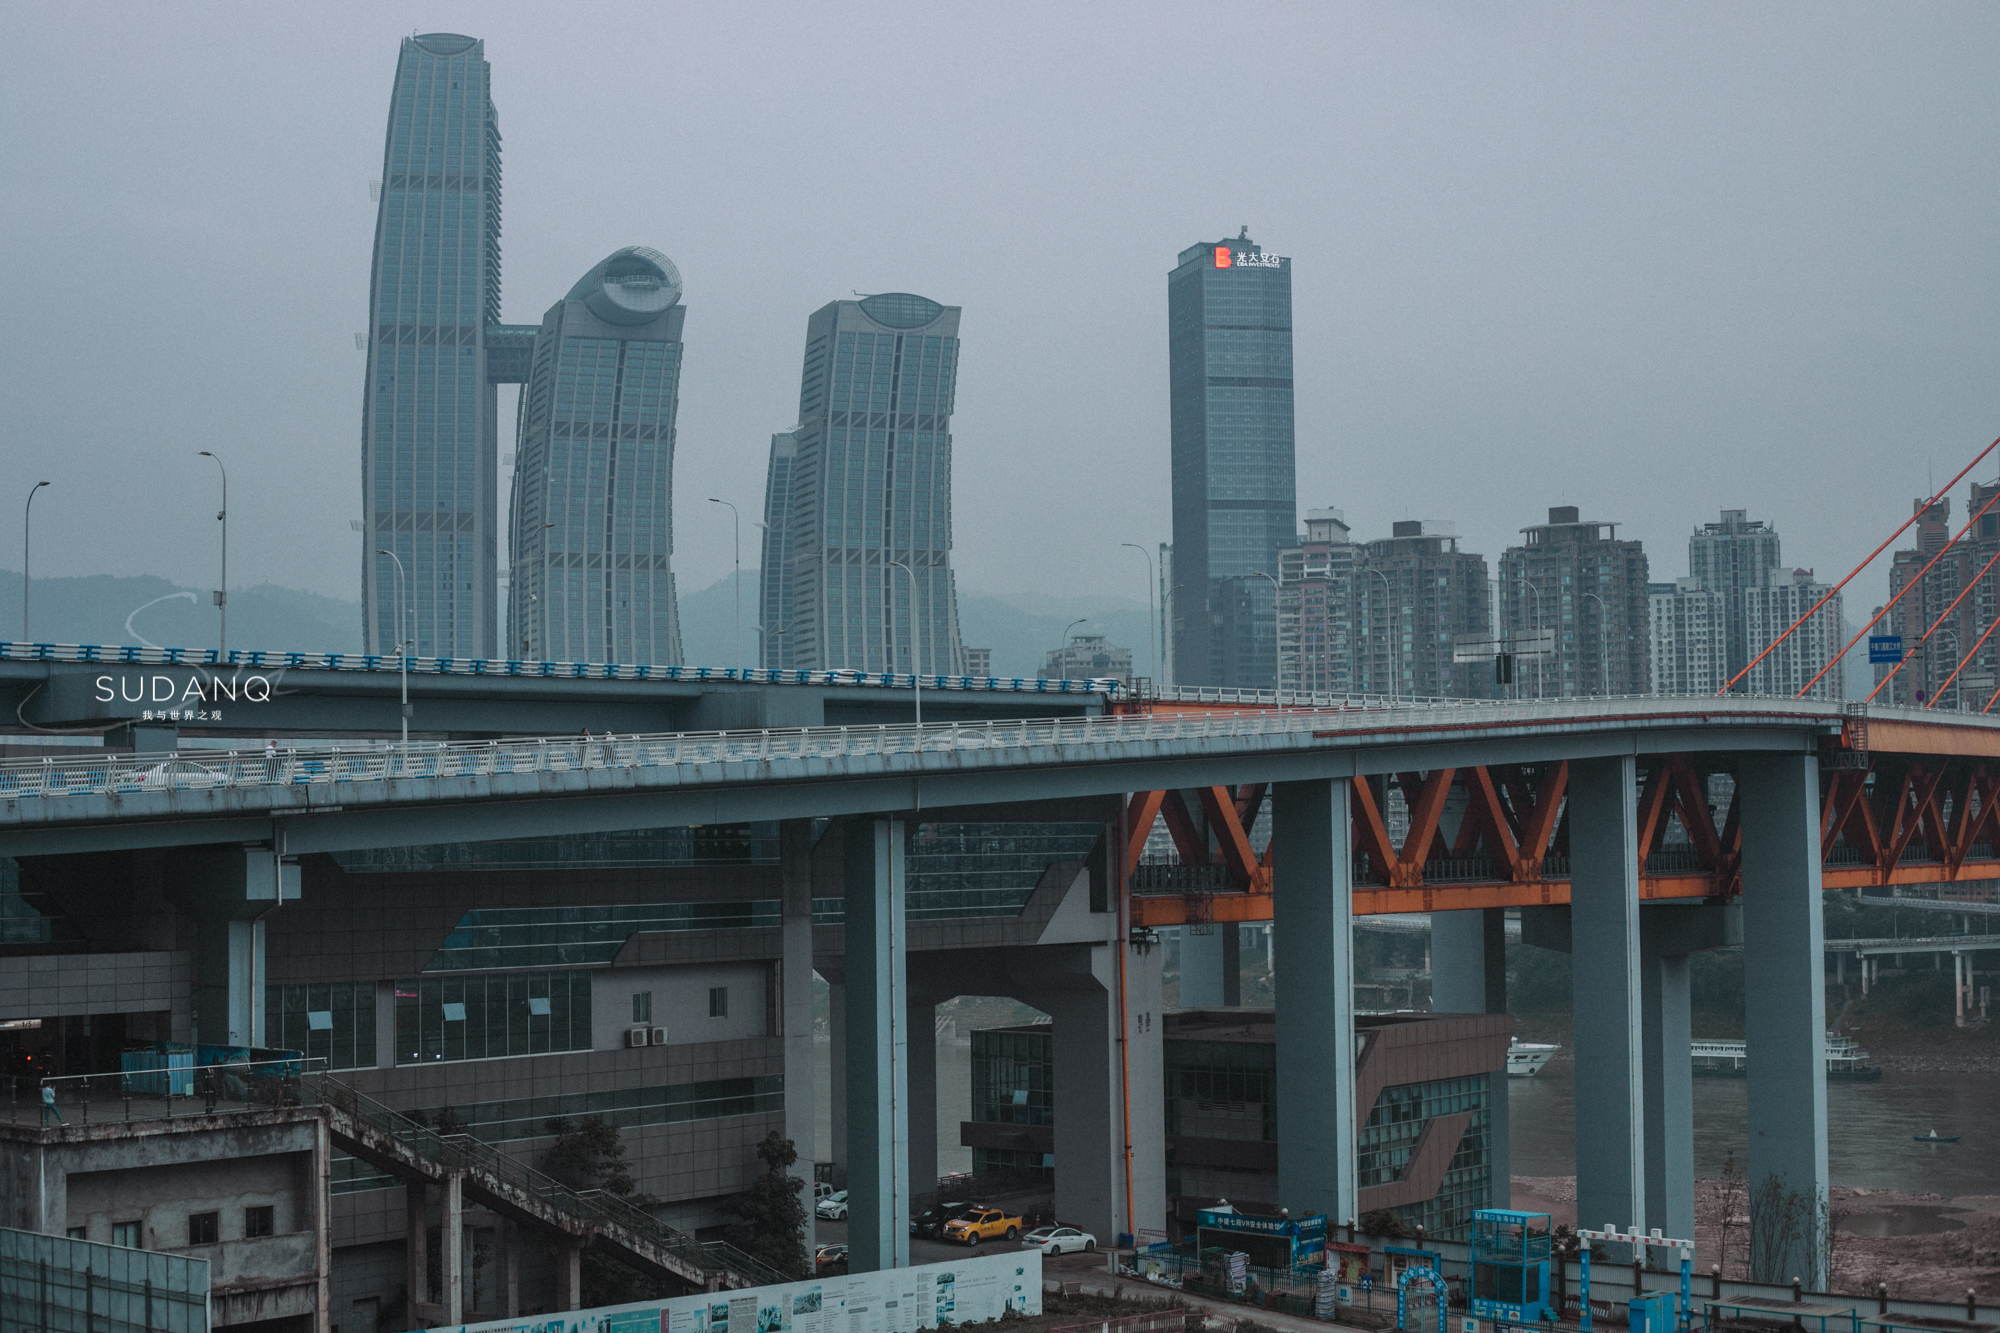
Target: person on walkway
x: 270, y: 759
x: 207, y: 1092
x: 49, y: 1107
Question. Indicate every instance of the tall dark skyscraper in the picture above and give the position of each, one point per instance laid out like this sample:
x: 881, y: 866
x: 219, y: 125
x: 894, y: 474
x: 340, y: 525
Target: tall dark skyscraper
x: 861, y: 484
x: 1229, y: 349
x: 592, y: 523
x: 436, y: 349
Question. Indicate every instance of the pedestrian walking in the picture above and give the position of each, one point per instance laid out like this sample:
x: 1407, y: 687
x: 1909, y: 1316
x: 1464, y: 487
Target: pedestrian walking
x: 270, y: 759
x: 207, y: 1092
x: 49, y: 1107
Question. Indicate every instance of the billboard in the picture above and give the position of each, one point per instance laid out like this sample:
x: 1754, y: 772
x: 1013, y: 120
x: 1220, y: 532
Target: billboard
x: 900, y: 1300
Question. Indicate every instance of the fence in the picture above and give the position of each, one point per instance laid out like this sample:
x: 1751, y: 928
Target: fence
x: 162, y: 1093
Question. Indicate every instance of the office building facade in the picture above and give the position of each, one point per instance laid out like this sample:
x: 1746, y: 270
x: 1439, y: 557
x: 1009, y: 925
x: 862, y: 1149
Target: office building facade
x: 1316, y: 608
x: 857, y: 548
x: 436, y: 349
x: 1415, y: 592
x: 591, y: 577
x: 1686, y: 638
x: 1573, y: 579
x: 1229, y: 345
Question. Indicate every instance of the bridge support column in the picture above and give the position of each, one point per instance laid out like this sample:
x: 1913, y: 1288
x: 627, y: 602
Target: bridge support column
x: 1605, y: 968
x: 451, y: 1247
x: 1313, y: 951
x: 1669, y: 1078
x: 510, y: 1243
x: 569, y: 1275
x: 795, y: 980
x: 1469, y: 976
x: 1784, y: 998
x: 1211, y: 966
x: 416, y: 1216
x: 878, y: 1127
x: 923, y: 1086
x: 229, y: 890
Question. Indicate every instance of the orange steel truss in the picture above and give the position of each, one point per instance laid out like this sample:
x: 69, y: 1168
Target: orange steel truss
x: 1498, y: 836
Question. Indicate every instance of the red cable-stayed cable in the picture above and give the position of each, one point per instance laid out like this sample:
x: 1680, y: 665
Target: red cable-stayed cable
x: 1939, y: 691
x: 1920, y: 512
x: 1971, y: 583
x: 1916, y: 579
x: 1849, y: 579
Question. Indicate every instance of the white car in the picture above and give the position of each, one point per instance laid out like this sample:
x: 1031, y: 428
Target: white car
x: 833, y: 1207
x: 1059, y: 1240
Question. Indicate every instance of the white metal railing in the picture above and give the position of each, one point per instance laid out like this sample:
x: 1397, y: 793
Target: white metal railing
x: 1024, y: 742
x: 242, y: 659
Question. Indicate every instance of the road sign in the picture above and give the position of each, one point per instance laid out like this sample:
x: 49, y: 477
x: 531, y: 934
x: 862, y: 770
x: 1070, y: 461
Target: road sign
x: 1885, y: 648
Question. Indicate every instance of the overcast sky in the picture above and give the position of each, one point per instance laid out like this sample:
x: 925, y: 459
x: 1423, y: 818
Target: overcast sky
x: 1654, y: 262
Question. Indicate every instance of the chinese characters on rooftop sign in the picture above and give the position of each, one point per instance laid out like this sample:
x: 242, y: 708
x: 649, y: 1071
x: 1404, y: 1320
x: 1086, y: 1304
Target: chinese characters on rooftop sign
x: 1230, y: 257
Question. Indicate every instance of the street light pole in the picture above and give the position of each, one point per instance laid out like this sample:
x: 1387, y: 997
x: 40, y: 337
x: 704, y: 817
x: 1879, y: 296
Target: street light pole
x: 27, y: 524
x: 402, y: 648
x: 1280, y: 671
x: 222, y: 593
x: 1063, y: 642
x: 1539, y: 657
x: 1152, y: 644
x: 736, y: 527
x: 916, y: 647
x: 1603, y: 648
x: 1388, y: 595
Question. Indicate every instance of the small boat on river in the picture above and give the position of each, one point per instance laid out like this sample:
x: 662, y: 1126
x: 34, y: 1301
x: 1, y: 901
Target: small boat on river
x: 1935, y: 1137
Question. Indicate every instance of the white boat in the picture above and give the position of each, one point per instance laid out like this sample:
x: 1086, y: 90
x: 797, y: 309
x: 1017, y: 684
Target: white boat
x: 1526, y: 1058
x: 1722, y: 1058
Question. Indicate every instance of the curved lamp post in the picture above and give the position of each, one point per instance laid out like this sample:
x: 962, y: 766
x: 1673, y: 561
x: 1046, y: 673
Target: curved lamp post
x: 222, y: 593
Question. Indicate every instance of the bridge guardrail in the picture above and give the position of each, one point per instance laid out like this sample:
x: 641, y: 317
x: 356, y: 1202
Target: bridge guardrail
x: 107, y: 773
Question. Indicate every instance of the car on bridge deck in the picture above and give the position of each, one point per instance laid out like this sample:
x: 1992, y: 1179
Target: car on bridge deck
x: 981, y: 1223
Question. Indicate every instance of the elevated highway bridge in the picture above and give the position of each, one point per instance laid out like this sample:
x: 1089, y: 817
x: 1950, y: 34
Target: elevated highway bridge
x: 1634, y: 832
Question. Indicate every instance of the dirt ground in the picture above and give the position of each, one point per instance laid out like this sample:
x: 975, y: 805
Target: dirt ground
x: 1936, y: 1267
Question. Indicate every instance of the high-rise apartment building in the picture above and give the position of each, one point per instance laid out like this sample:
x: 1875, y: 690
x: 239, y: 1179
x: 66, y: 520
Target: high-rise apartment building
x: 1687, y: 638
x: 1793, y: 663
x: 1229, y: 348
x: 1316, y: 608
x: 1414, y: 593
x: 861, y: 486
x: 1927, y: 609
x: 1728, y: 557
x: 1574, y: 579
x: 436, y: 348
x: 592, y: 523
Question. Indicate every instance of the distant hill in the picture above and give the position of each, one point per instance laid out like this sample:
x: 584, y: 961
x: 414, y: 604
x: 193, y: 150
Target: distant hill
x: 99, y: 608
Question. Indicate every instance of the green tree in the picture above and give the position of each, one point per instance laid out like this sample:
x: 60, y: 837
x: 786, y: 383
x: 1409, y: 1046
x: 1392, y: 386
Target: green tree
x: 588, y: 1154
x: 772, y: 1209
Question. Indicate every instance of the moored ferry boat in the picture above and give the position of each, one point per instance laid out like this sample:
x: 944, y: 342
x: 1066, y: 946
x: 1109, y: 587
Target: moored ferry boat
x: 1717, y: 1057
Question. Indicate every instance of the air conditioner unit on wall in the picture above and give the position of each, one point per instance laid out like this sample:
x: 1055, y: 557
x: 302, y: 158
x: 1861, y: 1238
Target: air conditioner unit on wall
x: 659, y: 1036
x: 636, y: 1036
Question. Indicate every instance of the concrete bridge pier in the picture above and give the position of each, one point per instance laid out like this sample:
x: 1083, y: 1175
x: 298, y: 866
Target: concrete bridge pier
x: 1469, y: 976
x: 795, y: 979
x: 878, y: 1057
x: 1606, y: 984
x: 229, y: 890
x: 1211, y: 965
x: 1784, y: 978
x: 1669, y: 935
x: 1313, y: 951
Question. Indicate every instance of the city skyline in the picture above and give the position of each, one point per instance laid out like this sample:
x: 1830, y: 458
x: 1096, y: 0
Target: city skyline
x: 1650, y: 340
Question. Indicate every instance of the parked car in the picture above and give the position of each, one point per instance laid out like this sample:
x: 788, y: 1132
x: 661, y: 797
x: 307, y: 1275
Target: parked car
x: 833, y: 1207
x: 830, y: 1259
x: 982, y: 1223
x: 1059, y: 1240
x: 821, y: 1190
x: 930, y: 1222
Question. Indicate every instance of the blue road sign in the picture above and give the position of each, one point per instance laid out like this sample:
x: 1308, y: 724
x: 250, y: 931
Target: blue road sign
x: 1885, y: 648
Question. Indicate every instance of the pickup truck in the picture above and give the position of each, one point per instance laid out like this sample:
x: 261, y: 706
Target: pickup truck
x: 982, y: 1223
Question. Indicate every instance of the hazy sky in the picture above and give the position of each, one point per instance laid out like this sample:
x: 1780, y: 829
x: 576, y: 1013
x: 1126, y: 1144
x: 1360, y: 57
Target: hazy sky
x: 1651, y: 261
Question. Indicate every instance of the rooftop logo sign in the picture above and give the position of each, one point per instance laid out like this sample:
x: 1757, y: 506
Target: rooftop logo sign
x: 1229, y: 257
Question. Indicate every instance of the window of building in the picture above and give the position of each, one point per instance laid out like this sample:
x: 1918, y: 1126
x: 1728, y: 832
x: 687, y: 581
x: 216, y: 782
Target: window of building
x: 78, y: 1233
x: 334, y: 1022
x: 642, y: 1006
x: 127, y: 1235
x: 261, y: 1220
x: 204, y: 1228
x: 718, y: 1001
x: 487, y: 1017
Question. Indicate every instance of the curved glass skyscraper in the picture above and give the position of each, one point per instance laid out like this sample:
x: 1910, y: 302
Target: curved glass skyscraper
x: 592, y: 522
x: 861, y: 485
x: 1229, y: 348
x: 428, y: 465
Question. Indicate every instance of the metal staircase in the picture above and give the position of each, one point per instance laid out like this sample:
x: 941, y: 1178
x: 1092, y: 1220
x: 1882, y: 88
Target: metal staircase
x: 394, y: 1143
